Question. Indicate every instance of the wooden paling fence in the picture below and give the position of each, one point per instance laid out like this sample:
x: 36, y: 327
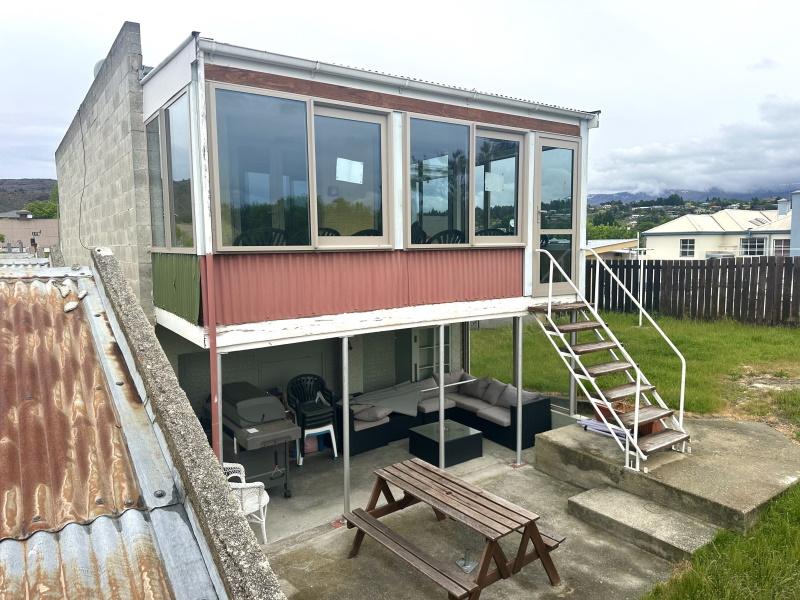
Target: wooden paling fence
x: 762, y: 290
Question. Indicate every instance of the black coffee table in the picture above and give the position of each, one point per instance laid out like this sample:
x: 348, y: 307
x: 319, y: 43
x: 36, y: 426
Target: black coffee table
x: 461, y: 443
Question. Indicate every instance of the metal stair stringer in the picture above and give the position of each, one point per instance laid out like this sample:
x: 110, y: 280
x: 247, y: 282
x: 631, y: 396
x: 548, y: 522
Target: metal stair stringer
x: 636, y: 448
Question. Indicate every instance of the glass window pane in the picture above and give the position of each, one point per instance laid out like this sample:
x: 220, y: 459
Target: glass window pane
x: 155, y: 184
x: 556, y: 188
x: 349, y: 187
x: 496, y: 183
x: 560, y: 246
x: 439, y: 182
x: 180, y: 192
x: 263, y: 170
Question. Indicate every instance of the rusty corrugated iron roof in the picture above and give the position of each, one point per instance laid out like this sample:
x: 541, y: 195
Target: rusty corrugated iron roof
x: 108, y: 558
x: 74, y: 518
x: 63, y: 455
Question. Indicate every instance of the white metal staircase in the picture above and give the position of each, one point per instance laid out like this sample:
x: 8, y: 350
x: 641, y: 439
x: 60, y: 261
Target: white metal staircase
x: 647, y: 405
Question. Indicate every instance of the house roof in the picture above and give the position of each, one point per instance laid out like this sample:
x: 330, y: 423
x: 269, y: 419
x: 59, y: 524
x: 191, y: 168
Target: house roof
x: 609, y: 245
x: 728, y: 220
x: 80, y: 458
x: 214, y: 48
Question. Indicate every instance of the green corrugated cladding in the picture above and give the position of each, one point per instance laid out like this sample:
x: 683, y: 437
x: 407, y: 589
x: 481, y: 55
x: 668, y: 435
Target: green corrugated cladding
x: 176, y: 284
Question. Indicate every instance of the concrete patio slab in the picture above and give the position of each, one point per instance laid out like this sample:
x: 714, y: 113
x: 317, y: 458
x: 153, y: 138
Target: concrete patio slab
x: 734, y: 469
x: 310, y: 556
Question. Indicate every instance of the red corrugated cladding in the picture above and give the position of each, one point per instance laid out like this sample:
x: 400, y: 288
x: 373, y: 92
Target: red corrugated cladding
x: 271, y: 286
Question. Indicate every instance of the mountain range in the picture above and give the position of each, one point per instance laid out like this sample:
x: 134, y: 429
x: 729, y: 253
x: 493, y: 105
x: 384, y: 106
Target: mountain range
x: 784, y: 190
x: 16, y: 194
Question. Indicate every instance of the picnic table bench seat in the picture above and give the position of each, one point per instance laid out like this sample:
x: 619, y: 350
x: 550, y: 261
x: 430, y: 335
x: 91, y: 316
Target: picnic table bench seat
x: 455, y: 586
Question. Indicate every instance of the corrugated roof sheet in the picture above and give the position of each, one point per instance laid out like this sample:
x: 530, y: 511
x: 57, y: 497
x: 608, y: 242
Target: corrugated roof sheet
x: 63, y: 455
x: 722, y: 221
x: 108, y: 558
x: 74, y: 522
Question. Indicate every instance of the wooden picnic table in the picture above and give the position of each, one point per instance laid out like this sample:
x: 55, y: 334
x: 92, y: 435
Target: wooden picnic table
x: 449, y: 496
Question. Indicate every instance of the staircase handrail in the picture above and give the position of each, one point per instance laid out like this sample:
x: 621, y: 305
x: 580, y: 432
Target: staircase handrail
x: 601, y: 262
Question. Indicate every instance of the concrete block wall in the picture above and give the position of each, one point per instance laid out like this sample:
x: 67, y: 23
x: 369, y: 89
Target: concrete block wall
x: 102, y: 170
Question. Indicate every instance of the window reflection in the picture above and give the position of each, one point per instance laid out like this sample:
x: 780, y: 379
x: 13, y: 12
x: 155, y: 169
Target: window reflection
x: 177, y: 119
x: 556, y: 188
x: 263, y: 170
x: 496, y: 182
x: 439, y: 182
x: 348, y: 165
x: 560, y: 246
x: 155, y: 184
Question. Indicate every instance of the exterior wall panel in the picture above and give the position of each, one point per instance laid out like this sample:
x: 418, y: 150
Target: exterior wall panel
x: 265, y: 287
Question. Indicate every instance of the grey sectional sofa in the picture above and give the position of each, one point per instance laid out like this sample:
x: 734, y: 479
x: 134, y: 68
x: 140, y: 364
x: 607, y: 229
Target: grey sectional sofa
x: 485, y: 404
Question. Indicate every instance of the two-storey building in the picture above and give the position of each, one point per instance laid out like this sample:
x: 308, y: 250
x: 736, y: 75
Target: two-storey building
x: 274, y: 212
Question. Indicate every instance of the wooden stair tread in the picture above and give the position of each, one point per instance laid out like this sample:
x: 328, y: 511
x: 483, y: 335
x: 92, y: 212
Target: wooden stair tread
x: 614, y: 366
x: 660, y: 440
x: 455, y: 586
x: 563, y: 307
x: 647, y: 414
x: 593, y: 347
x: 624, y: 391
x: 579, y: 326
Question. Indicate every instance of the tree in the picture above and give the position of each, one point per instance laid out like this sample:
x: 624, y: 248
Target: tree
x: 608, y: 232
x: 54, y: 194
x: 2, y: 238
x: 43, y: 210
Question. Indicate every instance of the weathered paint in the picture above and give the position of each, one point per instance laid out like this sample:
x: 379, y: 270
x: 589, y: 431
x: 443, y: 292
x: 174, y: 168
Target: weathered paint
x: 62, y: 453
x: 270, y: 286
x: 176, y: 284
x: 109, y: 558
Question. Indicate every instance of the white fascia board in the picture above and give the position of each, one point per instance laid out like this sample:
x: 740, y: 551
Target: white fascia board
x: 250, y: 336
x: 300, y: 68
x: 168, y: 78
x: 194, y: 333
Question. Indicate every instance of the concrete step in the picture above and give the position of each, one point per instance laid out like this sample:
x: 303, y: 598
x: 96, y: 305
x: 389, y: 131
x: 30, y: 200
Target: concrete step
x: 652, y: 527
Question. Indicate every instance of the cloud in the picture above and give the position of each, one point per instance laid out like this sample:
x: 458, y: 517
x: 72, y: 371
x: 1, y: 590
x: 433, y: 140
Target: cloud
x: 742, y: 157
x: 765, y: 64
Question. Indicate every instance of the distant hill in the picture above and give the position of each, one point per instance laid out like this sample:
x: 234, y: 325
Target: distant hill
x: 16, y: 194
x: 785, y: 190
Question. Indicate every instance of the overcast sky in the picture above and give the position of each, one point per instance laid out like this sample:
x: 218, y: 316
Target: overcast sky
x: 693, y: 94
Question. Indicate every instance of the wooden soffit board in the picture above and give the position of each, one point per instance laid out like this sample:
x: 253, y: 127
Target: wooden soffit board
x: 281, y: 83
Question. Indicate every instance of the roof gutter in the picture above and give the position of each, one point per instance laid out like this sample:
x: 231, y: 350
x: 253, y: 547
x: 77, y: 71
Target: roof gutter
x: 214, y: 49
x: 194, y: 35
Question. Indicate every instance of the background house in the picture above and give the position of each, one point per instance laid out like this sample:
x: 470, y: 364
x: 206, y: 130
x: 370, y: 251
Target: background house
x: 726, y: 233
x: 19, y: 226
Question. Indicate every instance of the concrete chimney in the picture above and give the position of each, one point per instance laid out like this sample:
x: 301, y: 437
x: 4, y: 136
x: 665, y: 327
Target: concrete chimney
x: 795, y: 238
x: 783, y: 207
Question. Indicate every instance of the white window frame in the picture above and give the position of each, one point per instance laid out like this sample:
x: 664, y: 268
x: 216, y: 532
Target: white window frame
x: 313, y: 106
x: 785, y: 249
x: 166, y: 177
x: 748, y: 241
x: 686, y: 247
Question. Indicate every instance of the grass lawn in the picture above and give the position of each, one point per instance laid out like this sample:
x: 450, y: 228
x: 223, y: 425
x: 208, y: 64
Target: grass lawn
x: 765, y: 563
x: 732, y: 369
x: 717, y: 355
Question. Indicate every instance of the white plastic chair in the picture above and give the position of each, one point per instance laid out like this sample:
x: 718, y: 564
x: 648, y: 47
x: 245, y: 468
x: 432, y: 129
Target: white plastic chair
x: 253, y: 498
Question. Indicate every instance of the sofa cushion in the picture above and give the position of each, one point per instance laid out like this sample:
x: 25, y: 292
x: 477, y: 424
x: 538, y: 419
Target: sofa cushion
x: 496, y: 414
x: 361, y: 425
x: 509, y: 397
x: 449, y: 377
x: 432, y: 405
x: 428, y: 383
x: 468, y: 402
x: 373, y: 413
x: 475, y: 388
x: 494, y: 391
